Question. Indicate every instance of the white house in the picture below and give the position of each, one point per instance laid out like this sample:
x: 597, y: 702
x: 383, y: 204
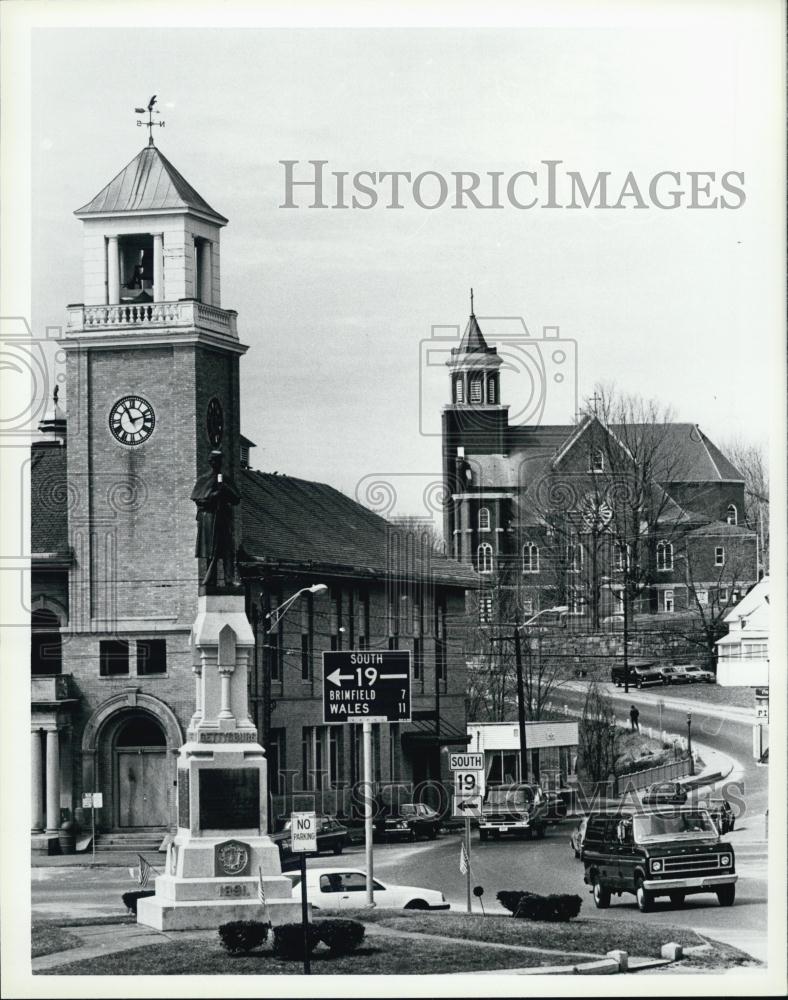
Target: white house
x: 743, y: 654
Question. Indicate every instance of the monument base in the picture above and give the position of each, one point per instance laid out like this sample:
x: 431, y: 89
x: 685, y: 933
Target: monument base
x: 200, y: 914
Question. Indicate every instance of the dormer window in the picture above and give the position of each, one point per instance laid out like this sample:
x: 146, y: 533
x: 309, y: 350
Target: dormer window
x: 484, y: 519
x: 476, y: 390
x: 732, y: 516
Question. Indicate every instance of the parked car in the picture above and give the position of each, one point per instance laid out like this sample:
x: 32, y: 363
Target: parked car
x: 696, y: 674
x: 578, y: 835
x: 673, y: 675
x: 721, y: 813
x: 345, y: 888
x: 664, y: 793
x: 641, y: 673
x: 671, y: 853
x: 411, y: 820
x: 331, y: 836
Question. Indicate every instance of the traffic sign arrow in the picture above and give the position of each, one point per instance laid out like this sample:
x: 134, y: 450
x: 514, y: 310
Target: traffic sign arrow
x: 468, y: 805
x: 393, y: 677
x: 336, y: 677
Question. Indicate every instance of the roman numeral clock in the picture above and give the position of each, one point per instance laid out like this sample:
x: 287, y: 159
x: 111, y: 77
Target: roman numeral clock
x: 132, y: 420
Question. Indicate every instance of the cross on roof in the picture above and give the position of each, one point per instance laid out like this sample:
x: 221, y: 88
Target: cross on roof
x: 150, y: 122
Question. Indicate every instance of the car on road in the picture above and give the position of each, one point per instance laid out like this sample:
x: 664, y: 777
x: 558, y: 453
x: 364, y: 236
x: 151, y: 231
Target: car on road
x: 331, y: 836
x: 664, y: 793
x: 697, y: 675
x: 721, y: 813
x: 578, y: 835
x: 556, y: 806
x: 410, y: 821
x: 671, y: 852
x: 520, y: 808
x: 345, y: 888
x: 641, y: 673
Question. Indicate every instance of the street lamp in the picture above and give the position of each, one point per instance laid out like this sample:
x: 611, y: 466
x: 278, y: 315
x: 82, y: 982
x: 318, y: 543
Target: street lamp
x: 518, y: 659
x: 689, y: 743
x: 275, y: 616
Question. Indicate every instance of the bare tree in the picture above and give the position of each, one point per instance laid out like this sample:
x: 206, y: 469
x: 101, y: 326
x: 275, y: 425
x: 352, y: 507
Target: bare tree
x: 751, y: 461
x: 599, y: 736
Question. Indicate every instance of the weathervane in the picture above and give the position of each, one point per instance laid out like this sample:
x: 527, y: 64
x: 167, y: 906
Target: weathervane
x: 150, y: 122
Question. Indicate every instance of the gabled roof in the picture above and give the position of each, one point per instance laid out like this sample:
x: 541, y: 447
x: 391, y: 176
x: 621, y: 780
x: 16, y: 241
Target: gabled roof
x: 149, y: 183
x: 297, y: 522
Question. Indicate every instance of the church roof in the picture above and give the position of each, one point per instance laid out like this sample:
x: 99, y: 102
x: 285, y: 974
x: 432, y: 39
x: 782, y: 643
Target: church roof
x: 303, y: 524
x: 149, y: 183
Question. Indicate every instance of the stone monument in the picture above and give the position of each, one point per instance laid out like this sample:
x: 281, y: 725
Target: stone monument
x: 213, y: 863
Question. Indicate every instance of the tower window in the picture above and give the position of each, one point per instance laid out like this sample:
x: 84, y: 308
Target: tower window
x: 151, y: 656
x: 596, y: 460
x: 719, y: 556
x: 485, y: 610
x: 135, y: 257
x: 575, y: 558
x: 113, y: 657
x: 664, y: 556
x: 732, y: 515
x: 476, y: 390
x: 459, y: 390
x: 484, y: 519
x: 484, y: 557
x: 491, y: 390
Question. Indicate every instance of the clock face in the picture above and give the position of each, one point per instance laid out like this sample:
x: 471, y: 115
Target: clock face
x: 214, y: 422
x: 132, y: 420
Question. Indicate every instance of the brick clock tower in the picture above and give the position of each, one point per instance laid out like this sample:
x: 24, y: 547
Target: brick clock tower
x: 152, y: 367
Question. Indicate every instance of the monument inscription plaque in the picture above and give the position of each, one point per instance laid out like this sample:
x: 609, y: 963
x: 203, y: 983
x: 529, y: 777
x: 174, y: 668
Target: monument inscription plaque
x: 229, y: 799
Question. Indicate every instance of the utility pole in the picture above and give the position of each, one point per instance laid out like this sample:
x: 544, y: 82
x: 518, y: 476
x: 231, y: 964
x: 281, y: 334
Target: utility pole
x: 625, y: 595
x: 689, y: 743
x: 518, y: 659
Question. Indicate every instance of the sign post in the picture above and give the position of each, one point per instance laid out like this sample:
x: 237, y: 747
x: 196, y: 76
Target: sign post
x: 303, y: 839
x: 366, y: 686
x: 93, y: 801
x: 468, y: 769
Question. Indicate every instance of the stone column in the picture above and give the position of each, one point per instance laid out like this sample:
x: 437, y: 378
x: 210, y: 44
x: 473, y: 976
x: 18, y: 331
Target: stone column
x: 37, y: 783
x: 53, y: 781
x: 158, y: 267
x: 113, y: 271
x: 225, y: 712
x: 204, y: 249
x: 197, y: 715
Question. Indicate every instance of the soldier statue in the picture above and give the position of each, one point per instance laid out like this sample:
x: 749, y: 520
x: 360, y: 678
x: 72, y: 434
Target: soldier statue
x: 215, y: 495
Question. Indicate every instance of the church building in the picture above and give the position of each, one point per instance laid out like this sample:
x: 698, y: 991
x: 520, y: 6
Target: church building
x: 152, y: 390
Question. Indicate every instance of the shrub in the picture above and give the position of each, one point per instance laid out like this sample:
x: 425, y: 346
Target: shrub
x: 130, y: 898
x: 289, y: 940
x: 531, y: 906
x: 239, y: 936
x: 341, y: 936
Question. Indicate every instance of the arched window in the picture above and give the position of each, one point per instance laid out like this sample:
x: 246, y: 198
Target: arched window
x: 476, y: 389
x: 596, y: 460
x: 664, y: 555
x: 484, y: 558
x: 530, y: 558
x: 733, y: 514
x: 484, y: 519
x: 46, y: 656
x: 575, y: 558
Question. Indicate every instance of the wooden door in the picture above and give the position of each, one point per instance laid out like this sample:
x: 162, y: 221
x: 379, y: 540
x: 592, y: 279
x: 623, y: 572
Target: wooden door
x: 142, y: 787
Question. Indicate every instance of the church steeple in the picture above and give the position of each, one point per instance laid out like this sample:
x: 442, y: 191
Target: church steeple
x: 474, y: 368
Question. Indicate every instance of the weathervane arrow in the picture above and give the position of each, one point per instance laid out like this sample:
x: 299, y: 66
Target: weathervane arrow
x: 150, y: 122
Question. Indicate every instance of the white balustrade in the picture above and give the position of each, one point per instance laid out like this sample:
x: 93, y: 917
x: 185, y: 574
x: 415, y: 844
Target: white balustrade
x: 152, y: 314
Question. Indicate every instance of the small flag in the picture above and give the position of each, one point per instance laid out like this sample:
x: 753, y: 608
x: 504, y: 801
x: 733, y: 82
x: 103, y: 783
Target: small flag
x: 261, y: 893
x: 464, y: 863
x: 144, y: 871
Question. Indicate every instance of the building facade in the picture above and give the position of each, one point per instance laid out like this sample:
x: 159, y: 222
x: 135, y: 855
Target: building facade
x: 583, y: 515
x: 152, y: 366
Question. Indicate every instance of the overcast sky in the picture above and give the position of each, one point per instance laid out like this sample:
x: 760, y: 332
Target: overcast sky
x: 678, y: 305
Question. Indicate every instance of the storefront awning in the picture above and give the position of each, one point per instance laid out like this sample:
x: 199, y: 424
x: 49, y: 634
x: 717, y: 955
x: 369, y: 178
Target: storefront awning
x: 423, y: 734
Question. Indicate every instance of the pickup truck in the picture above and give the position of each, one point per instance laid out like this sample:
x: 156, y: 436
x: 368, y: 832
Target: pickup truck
x: 641, y: 673
x: 521, y: 809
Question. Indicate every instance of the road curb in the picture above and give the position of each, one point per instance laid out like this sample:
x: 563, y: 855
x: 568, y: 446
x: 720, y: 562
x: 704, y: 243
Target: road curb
x: 599, y: 967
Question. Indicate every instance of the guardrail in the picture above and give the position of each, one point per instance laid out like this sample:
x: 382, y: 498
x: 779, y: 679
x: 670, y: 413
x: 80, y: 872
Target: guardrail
x: 662, y: 772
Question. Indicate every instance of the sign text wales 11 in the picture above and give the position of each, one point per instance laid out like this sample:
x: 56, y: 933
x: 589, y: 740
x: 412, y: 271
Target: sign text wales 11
x: 366, y: 686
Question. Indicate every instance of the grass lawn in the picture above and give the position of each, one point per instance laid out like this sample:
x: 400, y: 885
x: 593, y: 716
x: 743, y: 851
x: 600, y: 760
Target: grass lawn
x: 738, y: 697
x: 378, y: 955
x: 46, y: 939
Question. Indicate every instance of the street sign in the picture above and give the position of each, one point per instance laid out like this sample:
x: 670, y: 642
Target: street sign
x: 366, y: 686
x: 467, y: 806
x: 92, y: 800
x: 98, y: 800
x: 303, y: 832
x: 466, y: 761
x: 762, y: 712
x: 467, y: 783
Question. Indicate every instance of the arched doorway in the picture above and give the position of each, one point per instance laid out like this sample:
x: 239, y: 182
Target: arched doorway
x: 141, y: 772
